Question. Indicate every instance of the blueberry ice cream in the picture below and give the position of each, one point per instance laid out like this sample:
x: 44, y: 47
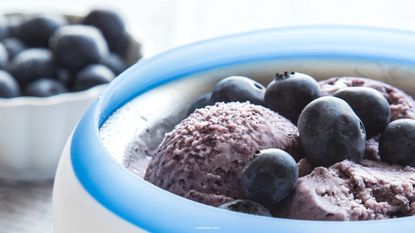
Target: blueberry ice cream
x: 245, y: 157
x: 203, y: 157
x: 351, y: 191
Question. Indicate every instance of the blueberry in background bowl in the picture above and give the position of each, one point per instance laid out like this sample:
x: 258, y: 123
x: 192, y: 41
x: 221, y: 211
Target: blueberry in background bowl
x: 9, y: 88
x: 37, y: 115
x: 36, y: 30
x: 32, y: 64
x: 3, y: 56
x: 77, y: 46
x: 44, y: 87
x: 92, y: 75
x: 112, y: 27
x: 13, y: 46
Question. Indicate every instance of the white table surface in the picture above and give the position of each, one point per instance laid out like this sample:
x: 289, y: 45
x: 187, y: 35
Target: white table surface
x: 25, y: 207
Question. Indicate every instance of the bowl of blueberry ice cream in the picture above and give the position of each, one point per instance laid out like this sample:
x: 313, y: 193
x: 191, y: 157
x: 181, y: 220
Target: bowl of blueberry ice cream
x: 52, y: 66
x: 294, y: 130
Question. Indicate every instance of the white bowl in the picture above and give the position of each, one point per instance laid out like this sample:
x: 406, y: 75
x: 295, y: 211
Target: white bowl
x: 35, y: 129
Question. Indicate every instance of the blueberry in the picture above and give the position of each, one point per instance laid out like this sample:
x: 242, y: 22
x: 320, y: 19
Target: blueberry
x: 65, y: 77
x: 330, y: 132
x: 12, y: 25
x: 115, y: 63
x: 32, y: 64
x: 201, y: 102
x: 246, y: 206
x: 290, y: 92
x: 3, y: 56
x: 13, y: 46
x: 396, y: 145
x: 44, y: 87
x: 9, y: 88
x: 36, y: 30
x: 77, y: 46
x: 238, y: 88
x: 4, y: 27
x: 92, y: 75
x: 112, y: 27
x: 369, y: 105
x: 269, y: 177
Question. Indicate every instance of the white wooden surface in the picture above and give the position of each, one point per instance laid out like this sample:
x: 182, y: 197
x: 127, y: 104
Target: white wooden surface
x: 25, y: 207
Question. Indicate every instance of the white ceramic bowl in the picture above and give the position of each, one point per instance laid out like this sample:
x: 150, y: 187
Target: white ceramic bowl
x: 93, y: 192
x: 34, y: 129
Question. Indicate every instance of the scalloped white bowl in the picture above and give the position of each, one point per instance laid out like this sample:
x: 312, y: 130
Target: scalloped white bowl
x: 34, y: 129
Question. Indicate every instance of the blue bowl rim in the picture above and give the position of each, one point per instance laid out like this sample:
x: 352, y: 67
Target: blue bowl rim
x: 153, y: 209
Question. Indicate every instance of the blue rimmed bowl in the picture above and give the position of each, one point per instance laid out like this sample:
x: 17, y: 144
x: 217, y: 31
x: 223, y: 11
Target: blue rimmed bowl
x: 94, y: 192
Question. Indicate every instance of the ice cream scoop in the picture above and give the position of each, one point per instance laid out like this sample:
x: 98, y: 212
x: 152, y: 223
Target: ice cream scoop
x: 203, y: 156
x: 351, y: 191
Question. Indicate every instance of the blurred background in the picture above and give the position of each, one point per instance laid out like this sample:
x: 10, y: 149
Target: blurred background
x: 164, y: 24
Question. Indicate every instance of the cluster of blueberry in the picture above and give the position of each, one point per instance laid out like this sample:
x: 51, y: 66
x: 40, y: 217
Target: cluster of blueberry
x: 331, y: 129
x: 45, y: 55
